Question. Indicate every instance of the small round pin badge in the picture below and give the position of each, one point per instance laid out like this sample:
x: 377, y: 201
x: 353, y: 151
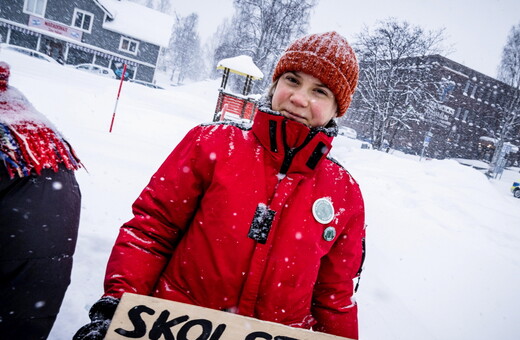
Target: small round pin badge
x: 323, y: 211
x: 329, y: 233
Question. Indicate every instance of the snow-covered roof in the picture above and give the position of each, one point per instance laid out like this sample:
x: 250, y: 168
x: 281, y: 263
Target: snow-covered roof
x: 488, y: 139
x: 242, y: 65
x: 137, y: 21
x: 512, y: 147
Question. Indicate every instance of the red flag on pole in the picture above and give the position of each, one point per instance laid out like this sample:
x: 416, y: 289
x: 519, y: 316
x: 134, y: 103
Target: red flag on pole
x: 117, y: 99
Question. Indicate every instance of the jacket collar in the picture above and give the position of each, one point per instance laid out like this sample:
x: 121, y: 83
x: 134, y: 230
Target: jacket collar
x: 295, y: 147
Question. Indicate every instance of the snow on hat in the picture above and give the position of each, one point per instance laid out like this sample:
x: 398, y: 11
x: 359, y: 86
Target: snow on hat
x: 328, y: 57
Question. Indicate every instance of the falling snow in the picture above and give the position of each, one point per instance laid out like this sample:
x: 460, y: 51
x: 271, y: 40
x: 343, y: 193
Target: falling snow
x: 442, y: 240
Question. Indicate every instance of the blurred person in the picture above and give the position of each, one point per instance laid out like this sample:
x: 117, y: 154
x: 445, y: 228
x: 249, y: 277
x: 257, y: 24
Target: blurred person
x: 39, y: 216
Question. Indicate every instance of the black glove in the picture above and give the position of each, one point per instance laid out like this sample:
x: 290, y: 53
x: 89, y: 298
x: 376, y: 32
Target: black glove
x: 101, y: 315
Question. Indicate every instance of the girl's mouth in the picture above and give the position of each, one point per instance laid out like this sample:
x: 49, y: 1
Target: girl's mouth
x: 293, y: 115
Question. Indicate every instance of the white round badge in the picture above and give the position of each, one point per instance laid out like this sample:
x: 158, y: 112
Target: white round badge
x: 323, y: 211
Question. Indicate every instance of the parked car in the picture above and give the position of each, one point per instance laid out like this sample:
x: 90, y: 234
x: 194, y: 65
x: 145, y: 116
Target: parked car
x: 97, y: 69
x: 145, y: 83
x: 347, y: 132
x: 28, y: 52
x: 515, y: 189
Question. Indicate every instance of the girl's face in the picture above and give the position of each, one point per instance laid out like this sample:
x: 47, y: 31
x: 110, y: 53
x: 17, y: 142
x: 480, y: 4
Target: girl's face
x: 304, y: 98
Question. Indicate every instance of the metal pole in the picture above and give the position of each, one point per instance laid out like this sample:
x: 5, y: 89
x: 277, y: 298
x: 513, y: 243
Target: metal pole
x: 117, y: 99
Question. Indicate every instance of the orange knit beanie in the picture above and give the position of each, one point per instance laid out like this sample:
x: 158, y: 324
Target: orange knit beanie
x: 328, y: 57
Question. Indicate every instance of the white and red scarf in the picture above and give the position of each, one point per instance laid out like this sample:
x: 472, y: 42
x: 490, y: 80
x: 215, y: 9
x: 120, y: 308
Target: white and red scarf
x: 28, y: 140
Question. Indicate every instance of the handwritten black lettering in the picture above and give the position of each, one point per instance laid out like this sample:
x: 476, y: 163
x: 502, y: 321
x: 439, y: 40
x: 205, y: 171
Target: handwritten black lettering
x: 134, y: 314
x: 163, y: 327
x: 218, y: 332
x: 258, y: 335
x: 207, y: 327
x: 266, y: 336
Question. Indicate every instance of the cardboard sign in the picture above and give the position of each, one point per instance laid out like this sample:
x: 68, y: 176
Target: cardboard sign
x: 144, y: 317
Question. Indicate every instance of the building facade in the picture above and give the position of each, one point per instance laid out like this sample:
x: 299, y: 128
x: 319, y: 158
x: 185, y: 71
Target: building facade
x: 465, y: 120
x: 108, y: 33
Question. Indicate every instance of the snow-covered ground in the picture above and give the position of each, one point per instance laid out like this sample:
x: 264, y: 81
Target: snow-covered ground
x: 443, y: 242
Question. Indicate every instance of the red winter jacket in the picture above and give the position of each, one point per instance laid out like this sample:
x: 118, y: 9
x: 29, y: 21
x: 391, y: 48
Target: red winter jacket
x: 227, y: 223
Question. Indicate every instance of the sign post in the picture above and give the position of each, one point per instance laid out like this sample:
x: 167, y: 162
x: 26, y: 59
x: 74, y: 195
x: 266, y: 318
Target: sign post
x: 144, y: 317
x: 117, y: 99
x: 426, y: 142
x: 502, y: 159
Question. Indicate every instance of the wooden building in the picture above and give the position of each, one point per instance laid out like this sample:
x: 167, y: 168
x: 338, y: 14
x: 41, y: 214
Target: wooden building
x: 103, y: 32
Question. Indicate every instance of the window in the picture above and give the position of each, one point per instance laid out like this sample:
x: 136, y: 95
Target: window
x: 446, y: 89
x: 128, y: 45
x: 487, y: 96
x: 473, y: 92
x: 457, y: 115
x: 82, y: 20
x: 466, y: 112
x: 36, y: 7
x: 466, y: 88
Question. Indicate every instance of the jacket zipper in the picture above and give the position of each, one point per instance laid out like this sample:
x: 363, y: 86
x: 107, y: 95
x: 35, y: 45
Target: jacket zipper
x: 291, y: 152
x: 287, y: 160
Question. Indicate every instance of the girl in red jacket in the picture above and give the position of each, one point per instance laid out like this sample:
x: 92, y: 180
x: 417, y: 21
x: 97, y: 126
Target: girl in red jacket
x: 254, y: 220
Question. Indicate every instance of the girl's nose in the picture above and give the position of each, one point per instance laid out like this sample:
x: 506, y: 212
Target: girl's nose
x: 299, y: 98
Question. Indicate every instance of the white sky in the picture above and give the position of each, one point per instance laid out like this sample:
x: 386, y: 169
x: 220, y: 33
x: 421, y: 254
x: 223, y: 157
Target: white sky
x: 476, y: 29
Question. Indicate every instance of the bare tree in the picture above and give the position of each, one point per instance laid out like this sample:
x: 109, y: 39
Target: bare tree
x: 220, y: 44
x: 183, y: 57
x: 163, y: 6
x: 394, y: 87
x: 509, y: 125
x: 509, y: 68
x: 262, y: 29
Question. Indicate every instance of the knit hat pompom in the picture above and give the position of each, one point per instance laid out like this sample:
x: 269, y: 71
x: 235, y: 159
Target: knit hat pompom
x: 327, y: 57
x: 4, y: 70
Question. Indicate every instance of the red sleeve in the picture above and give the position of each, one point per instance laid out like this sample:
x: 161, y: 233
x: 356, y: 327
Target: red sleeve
x: 161, y: 214
x: 334, y: 307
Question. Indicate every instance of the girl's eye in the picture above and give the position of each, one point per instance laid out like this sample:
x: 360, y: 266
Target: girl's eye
x: 291, y: 79
x: 322, y: 92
